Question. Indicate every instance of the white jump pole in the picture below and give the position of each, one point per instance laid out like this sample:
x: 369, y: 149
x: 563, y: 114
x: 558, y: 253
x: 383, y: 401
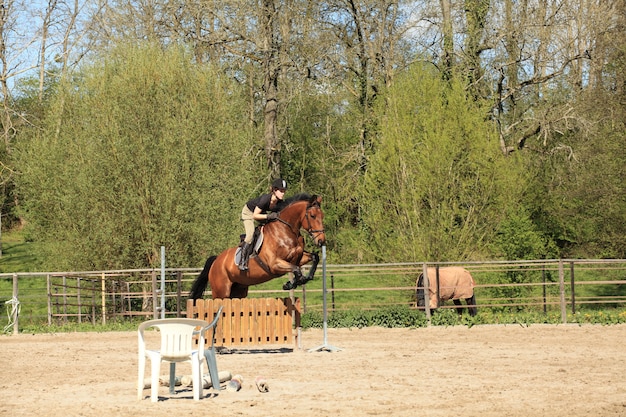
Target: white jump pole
x: 162, y: 309
x: 325, y: 346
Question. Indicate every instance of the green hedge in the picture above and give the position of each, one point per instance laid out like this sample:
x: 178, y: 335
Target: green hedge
x: 403, y: 316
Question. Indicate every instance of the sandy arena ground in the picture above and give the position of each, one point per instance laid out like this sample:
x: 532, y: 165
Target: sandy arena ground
x: 541, y: 370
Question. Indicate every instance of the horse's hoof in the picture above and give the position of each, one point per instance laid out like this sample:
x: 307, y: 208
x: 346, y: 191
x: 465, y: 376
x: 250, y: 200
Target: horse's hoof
x: 301, y: 281
x: 289, y: 286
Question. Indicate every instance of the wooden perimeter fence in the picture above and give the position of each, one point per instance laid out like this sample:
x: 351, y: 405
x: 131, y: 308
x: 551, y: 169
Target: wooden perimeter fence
x: 250, y: 321
x: 569, y: 286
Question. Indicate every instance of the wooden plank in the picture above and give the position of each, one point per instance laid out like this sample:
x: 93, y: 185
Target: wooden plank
x: 244, y: 320
x: 254, y: 327
x: 219, y: 329
x: 262, y: 321
x: 261, y: 325
x: 289, y: 319
x: 269, y: 322
x: 279, y: 308
x: 267, y: 325
x: 228, y: 323
x: 236, y: 321
x: 275, y: 322
x: 250, y: 321
x: 190, y: 308
x: 244, y: 317
x: 201, y: 307
x: 259, y: 309
x: 286, y: 320
x: 285, y: 323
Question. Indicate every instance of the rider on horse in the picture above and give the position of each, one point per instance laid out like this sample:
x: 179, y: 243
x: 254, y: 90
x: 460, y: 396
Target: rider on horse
x: 261, y: 209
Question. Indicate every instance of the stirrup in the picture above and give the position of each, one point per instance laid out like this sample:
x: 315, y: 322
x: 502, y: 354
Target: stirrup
x: 245, y: 252
x: 243, y: 263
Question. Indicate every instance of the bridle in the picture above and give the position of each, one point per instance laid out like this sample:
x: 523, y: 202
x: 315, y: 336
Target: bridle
x: 313, y: 233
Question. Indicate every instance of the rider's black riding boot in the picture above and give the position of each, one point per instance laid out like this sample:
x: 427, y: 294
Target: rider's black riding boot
x: 244, y: 256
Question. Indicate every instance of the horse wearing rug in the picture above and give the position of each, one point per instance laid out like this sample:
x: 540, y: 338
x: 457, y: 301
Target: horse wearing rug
x: 449, y: 283
x: 281, y: 251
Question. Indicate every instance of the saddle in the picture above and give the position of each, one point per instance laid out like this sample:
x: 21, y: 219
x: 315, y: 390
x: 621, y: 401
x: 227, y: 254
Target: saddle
x: 257, y: 242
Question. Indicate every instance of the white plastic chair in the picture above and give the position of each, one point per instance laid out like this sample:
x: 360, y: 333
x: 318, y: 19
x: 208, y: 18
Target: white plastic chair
x: 177, y: 345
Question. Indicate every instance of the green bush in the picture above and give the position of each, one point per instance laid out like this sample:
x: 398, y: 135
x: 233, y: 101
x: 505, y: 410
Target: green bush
x: 405, y: 317
x: 398, y: 316
x: 389, y: 317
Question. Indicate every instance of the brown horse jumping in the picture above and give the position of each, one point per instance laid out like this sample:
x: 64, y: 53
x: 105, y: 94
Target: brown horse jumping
x: 282, y: 251
x: 449, y: 283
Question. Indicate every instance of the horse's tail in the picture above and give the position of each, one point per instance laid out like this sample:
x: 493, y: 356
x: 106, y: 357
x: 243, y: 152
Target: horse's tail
x: 200, y: 284
x: 472, y: 300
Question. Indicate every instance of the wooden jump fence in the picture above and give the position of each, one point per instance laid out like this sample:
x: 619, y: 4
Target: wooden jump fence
x: 250, y: 321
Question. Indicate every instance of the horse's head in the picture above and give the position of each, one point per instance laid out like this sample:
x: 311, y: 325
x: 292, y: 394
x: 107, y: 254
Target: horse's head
x: 303, y: 211
x: 313, y: 221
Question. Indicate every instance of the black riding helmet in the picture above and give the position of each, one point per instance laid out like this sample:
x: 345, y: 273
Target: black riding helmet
x: 279, y: 183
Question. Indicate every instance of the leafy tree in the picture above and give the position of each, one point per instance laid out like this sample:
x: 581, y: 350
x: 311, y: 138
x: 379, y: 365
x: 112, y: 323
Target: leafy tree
x: 583, y: 204
x: 579, y: 186
x: 140, y: 150
x: 318, y: 158
x: 519, y: 238
x: 436, y: 187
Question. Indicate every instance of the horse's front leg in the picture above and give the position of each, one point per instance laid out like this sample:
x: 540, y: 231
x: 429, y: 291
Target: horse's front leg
x: 298, y: 278
x: 281, y: 267
x: 310, y: 257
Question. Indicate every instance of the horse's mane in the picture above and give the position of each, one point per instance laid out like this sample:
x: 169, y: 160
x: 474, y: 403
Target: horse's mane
x: 294, y: 199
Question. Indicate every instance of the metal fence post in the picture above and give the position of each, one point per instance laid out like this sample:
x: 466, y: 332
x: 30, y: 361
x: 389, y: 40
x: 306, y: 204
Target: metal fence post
x: 16, y: 310
x: 104, y: 299
x: 572, y: 289
x: 562, y: 292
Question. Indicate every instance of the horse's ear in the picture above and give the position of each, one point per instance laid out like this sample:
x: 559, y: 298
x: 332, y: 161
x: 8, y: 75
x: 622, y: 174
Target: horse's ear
x: 315, y: 200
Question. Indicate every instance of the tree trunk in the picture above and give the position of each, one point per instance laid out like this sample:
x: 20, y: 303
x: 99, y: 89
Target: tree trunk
x: 270, y: 84
x: 448, y: 39
x: 475, y: 15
